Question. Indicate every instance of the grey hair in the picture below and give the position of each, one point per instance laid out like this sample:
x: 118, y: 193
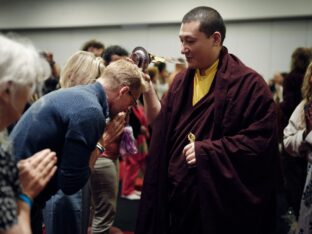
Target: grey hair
x: 21, y: 63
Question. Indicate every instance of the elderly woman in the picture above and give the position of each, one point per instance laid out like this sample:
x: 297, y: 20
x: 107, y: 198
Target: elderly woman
x: 20, y: 69
x: 298, y: 143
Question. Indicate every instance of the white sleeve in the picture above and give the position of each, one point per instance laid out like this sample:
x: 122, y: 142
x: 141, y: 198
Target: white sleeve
x: 293, y: 140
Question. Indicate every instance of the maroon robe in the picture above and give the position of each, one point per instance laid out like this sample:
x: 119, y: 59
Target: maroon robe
x: 232, y: 188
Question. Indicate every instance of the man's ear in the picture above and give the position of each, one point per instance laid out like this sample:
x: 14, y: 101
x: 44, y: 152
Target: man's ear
x: 124, y: 90
x: 217, y: 38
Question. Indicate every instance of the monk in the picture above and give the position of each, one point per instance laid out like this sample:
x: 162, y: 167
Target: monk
x: 213, y: 155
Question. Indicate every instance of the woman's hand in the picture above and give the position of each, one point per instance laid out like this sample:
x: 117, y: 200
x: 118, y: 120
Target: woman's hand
x: 35, y: 172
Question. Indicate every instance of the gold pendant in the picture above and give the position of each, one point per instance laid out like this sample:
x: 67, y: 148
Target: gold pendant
x: 191, y: 137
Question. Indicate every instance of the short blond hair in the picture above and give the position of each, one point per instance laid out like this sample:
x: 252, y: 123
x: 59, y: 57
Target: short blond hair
x: 124, y: 73
x: 80, y: 69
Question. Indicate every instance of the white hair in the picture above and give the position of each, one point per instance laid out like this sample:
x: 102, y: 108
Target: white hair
x: 21, y: 63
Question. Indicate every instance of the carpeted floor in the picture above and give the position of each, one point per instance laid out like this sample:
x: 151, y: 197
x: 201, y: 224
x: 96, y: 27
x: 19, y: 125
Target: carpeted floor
x: 127, y: 211
x: 127, y: 214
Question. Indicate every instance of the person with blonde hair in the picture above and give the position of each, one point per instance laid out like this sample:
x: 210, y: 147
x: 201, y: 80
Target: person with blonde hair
x: 81, y: 68
x: 294, y: 169
x: 21, y: 69
x: 71, y: 122
x: 298, y: 143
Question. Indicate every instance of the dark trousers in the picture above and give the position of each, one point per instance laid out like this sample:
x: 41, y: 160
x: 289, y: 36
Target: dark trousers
x: 295, y: 172
x: 36, y: 218
x: 67, y: 214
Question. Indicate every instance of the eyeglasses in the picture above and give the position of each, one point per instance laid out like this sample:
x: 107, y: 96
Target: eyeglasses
x: 135, y: 102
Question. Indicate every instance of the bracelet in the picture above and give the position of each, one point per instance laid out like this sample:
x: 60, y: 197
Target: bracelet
x: 25, y: 199
x: 100, y: 148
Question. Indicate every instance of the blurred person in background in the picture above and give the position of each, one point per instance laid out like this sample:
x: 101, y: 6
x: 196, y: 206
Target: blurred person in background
x: 113, y: 53
x: 276, y: 86
x: 52, y: 82
x: 162, y: 85
x: 178, y: 68
x: 154, y: 74
x: 294, y: 169
x: 95, y: 47
x: 298, y: 143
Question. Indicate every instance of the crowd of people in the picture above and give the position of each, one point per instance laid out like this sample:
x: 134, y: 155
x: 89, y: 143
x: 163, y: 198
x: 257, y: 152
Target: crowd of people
x: 214, y: 143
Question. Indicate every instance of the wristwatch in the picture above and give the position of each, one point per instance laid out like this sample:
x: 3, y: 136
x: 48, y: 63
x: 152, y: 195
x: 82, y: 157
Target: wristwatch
x: 100, y: 148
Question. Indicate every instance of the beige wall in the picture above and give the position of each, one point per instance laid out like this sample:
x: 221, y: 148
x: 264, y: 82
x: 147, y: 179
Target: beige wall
x: 262, y: 35
x: 74, y: 13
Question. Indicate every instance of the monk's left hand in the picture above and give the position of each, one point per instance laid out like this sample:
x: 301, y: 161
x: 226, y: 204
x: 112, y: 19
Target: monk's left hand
x: 189, y: 153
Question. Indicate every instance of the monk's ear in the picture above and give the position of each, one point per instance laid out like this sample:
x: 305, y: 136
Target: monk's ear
x: 217, y: 38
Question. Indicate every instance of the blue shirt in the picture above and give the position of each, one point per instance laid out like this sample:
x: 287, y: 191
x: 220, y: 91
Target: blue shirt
x: 69, y: 122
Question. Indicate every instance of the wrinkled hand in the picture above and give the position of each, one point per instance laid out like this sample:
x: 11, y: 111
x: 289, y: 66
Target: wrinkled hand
x: 35, y: 172
x: 113, y: 129
x: 189, y: 153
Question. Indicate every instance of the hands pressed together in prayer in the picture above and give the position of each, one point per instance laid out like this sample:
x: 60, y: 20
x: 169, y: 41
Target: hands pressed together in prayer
x: 110, y: 138
x: 114, y: 129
